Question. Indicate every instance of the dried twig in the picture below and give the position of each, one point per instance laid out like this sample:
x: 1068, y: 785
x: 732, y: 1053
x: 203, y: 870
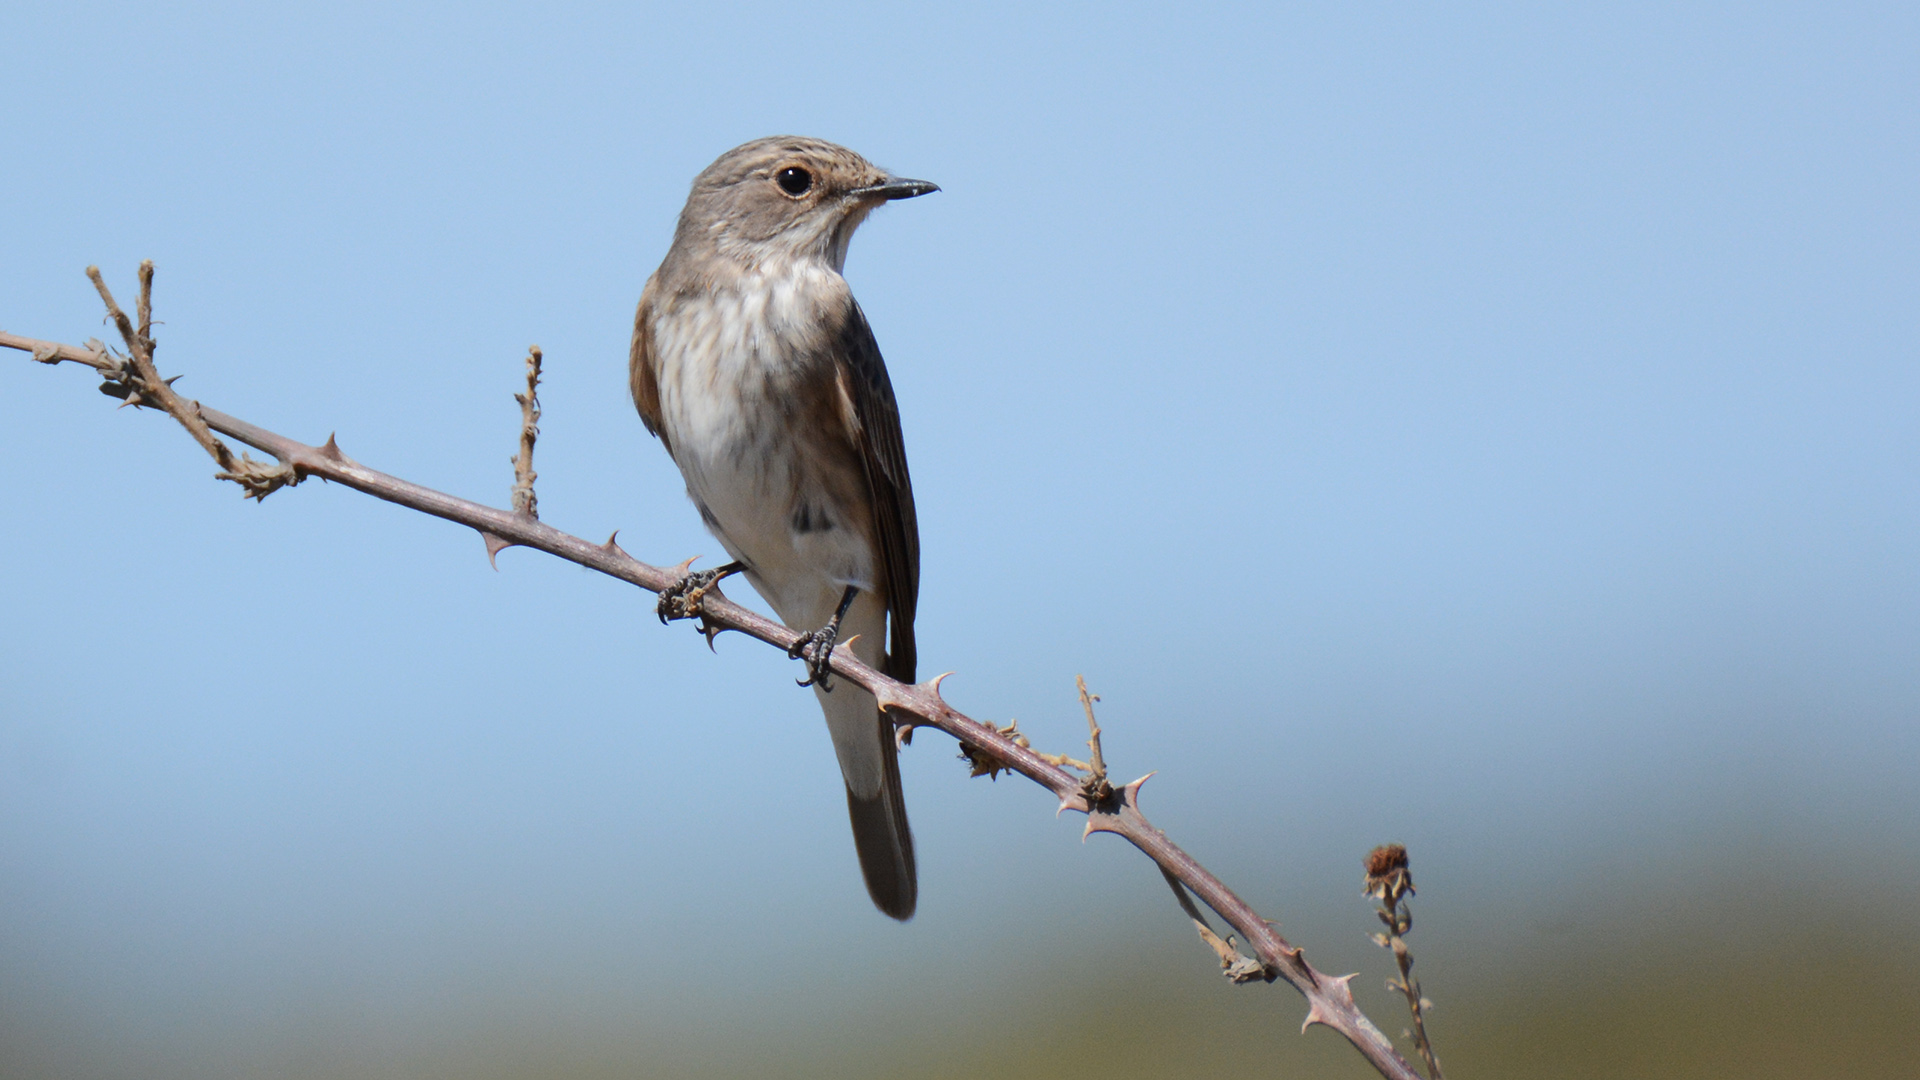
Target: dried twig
x: 1233, y: 965
x: 525, y: 503
x: 1390, y: 881
x: 1098, y: 790
x: 1329, y: 998
x: 136, y: 381
x: 985, y: 764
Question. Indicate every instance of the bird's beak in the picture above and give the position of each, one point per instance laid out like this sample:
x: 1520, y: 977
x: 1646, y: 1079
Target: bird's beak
x: 895, y: 188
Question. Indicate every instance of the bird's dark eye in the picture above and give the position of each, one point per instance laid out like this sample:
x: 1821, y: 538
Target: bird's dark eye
x: 794, y: 180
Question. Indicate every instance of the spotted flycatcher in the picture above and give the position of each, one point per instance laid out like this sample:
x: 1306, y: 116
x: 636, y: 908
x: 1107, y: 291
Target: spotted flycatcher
x: 755, y: 368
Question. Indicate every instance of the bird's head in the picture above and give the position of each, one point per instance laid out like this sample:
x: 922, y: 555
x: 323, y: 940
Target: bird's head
x: 786, y: 198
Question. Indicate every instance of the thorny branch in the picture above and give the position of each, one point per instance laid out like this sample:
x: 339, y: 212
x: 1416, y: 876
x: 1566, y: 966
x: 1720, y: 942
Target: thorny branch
x: 1115, y: 810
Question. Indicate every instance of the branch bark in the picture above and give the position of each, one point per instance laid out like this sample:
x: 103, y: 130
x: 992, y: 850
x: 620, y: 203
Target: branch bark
x: 1107, y: 808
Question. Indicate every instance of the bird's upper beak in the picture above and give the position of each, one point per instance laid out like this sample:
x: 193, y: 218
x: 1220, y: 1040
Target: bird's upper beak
x: 895, y: 188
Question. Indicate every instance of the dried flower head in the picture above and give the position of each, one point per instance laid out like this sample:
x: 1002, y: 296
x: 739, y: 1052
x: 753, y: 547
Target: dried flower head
x: 1387, y: 875
x: 980, y: 762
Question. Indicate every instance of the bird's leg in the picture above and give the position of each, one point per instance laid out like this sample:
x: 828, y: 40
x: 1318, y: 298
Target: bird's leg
x: 682, y: 600
x: 817, y: 648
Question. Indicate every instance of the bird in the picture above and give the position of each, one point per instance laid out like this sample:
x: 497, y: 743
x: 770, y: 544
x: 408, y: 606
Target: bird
x: 754, y: 366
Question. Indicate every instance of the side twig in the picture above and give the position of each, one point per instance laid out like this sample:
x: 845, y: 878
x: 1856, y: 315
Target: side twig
x: 1098, y: 790
x: 136, y: 381
x: 1234, y: 966
x: 1390, y: 881
x: 525, y: 503
x: 1329, y: 998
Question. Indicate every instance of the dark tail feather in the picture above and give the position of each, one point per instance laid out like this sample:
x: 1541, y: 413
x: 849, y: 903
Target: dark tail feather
x: 881, y: 836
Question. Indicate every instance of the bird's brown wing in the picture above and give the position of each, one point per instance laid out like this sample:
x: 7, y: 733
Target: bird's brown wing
x: 863, y: 378
x: 640, y: 374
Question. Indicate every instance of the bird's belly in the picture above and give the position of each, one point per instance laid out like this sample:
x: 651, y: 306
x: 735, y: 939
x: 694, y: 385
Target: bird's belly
x: 743, y: 457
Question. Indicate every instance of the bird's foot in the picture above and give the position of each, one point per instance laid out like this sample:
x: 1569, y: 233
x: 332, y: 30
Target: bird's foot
x: 682, y: 599
x: 816, y: 649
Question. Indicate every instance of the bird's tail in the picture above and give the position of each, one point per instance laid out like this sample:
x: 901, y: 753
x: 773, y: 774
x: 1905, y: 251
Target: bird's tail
x: 870, y: 764
x: 882, y: 838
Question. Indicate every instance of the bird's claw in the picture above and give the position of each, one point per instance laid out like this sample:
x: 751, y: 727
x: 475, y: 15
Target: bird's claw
x: 816, y: 649
x: 682, y: 599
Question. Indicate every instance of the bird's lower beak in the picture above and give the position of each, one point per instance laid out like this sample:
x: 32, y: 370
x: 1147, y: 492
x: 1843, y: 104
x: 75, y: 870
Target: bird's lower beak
x: 896, y: 188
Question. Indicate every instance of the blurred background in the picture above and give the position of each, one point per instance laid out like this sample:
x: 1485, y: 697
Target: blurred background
x: 1491, y: 429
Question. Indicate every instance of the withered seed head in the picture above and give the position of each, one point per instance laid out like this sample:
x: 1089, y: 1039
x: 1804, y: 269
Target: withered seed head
x: 980, y: 762
x: 1387, y: 875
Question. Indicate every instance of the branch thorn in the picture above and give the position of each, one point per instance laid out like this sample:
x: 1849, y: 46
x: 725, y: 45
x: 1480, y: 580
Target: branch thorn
x: 1339, y: 992
x: 494, y: 546
x: 902, y: 730
x: 933, y: 685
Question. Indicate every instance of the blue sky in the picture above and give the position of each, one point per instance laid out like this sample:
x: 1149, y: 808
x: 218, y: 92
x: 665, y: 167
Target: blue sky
x: 1491, y: 428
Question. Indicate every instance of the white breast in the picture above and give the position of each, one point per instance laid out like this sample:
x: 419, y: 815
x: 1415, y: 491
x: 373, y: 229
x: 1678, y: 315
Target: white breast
x: 727, y: 363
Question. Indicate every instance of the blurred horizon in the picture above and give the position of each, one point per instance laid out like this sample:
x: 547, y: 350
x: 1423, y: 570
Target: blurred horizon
x: 1642, y: 979
x: 1491, y: 430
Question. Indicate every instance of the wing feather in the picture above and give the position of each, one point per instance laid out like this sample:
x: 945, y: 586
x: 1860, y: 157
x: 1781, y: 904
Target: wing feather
x: 895, y: 528
x: 642, y: 380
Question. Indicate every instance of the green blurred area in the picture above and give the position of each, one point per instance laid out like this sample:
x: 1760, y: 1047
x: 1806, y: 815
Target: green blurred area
x: 1771, y: 971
